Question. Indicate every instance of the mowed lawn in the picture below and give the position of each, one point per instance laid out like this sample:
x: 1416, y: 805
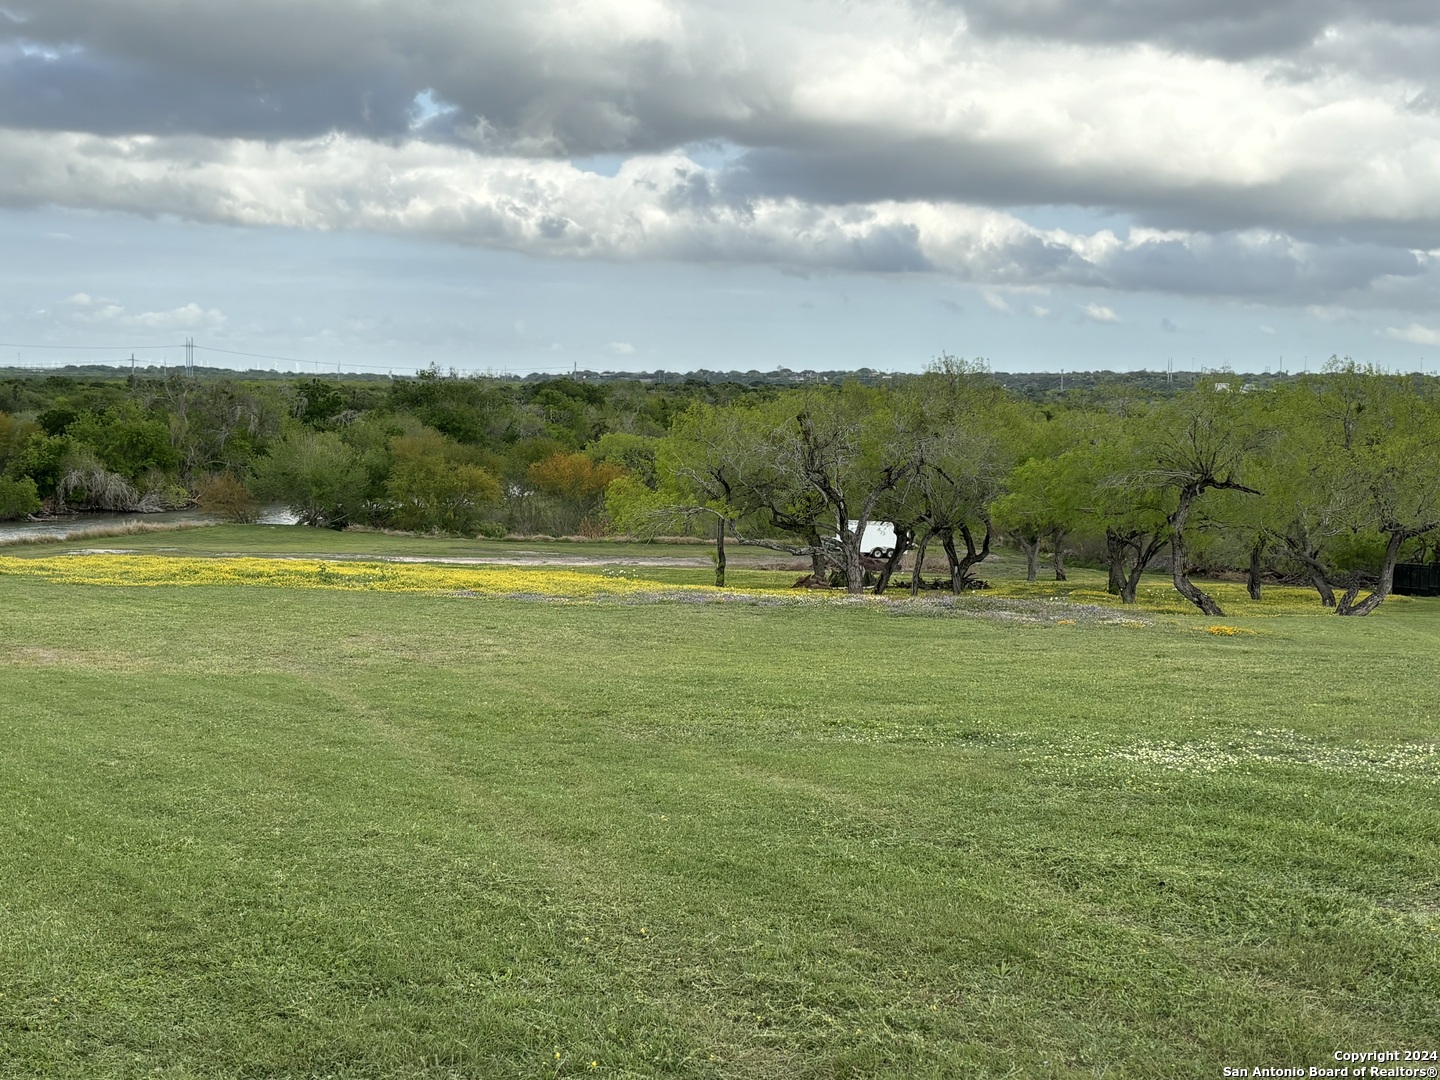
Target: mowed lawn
x: 267, y: 832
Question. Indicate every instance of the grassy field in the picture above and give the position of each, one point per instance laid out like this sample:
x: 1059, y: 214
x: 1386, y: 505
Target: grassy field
x: 254, y: 830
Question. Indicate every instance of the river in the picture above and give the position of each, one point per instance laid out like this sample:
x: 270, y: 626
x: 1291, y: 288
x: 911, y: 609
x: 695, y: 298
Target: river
x: 64, y: 527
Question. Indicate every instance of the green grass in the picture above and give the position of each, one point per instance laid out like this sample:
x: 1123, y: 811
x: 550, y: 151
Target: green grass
x: 253, y: 832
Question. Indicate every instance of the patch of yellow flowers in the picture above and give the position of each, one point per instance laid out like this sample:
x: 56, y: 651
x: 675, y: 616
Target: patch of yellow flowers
x: 322, y: 574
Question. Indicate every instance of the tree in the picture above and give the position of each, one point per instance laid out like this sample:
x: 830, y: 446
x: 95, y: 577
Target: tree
x: 316, y: 475
x: 18, y: 498
x: 1043, y: 501
x: 1204, y: 441
x: 1356, y: 478
x: 701, y: 463
x: 225, y: 494
x: 967, y: 448
x: 1120, y: 498
x: 1390, y: 448
x: 435, y: 495
x: 575, y: 481
x: 127, y: 439
x: 848, y: 446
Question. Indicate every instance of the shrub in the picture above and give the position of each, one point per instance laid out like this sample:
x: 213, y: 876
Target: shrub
x: 18, y: 498
x: 225, y: 494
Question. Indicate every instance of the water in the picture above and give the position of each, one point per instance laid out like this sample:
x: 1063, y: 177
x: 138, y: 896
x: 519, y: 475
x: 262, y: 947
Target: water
x: 63, y: 528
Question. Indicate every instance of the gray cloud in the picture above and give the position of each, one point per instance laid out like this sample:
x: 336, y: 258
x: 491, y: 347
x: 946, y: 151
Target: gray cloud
x: 1231, y: 29
x: 547, y: 78
x: 78, y: 90
x: 1286, y: 152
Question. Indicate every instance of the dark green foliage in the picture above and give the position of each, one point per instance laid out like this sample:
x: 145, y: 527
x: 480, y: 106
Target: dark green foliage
x: 316, y: 401
x: 42, y: 460
x: 127, y: 439
x: 17, y: 498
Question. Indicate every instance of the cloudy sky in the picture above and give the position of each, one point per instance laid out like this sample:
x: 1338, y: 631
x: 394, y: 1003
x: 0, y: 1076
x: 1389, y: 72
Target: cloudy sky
x: 631, y: 184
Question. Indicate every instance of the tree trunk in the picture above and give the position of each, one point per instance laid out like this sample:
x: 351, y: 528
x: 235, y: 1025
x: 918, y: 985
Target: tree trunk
x: 1144, y: 555
x: 720, y: 553
x: 1313, y: 570
x: 960, y: 567
x: 917, y: 574
x: 1317, y: 579
x: 1115, y: 556
x: 854, y: 569
x: 1347, y: 606
x: 1252, y: 575
x: 1128, y: 586
x: 1058, y: 540
x: 904, y: 536
x: 1187, y: 588
x: 1030, y: 545
x: 819, y: 568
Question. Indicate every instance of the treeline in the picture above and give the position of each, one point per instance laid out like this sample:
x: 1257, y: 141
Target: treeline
x: 1330, y: 478
x: 435, y: 453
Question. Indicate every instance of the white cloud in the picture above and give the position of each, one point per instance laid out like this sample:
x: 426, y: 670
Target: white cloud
x: 668, y: 207
x: 620, y: 348
x: 86, y: 309
x: 946, y: 102
x: 1415, y: 334
x: 1100, y: 313
x: 190, y: 317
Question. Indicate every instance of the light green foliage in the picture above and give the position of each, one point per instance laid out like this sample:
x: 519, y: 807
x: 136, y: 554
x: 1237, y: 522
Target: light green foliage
x: 433, y: 487
x: 316, y: 475
x: 1355, y: 479
x: 633, y: 509
x: 633, y: 453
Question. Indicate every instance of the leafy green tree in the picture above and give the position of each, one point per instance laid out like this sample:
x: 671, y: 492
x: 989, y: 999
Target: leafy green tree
x: 18, y: 497
x: 633, y: 453
x: 434, y: 487
x: 1206, y: 440
x: 850, y: 446
x: 703, y: 462
x: 1354, y: 480
x: 1043, y: 501
x: 316, y: 475
x: 968, y: 448
x: 42, y: 459
x: 14, y: 434
x: 127, y: 439
x: 1119, y: 497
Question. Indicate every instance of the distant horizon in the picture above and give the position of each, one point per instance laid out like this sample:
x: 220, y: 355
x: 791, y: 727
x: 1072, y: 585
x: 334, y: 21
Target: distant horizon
x: 122, y: 368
